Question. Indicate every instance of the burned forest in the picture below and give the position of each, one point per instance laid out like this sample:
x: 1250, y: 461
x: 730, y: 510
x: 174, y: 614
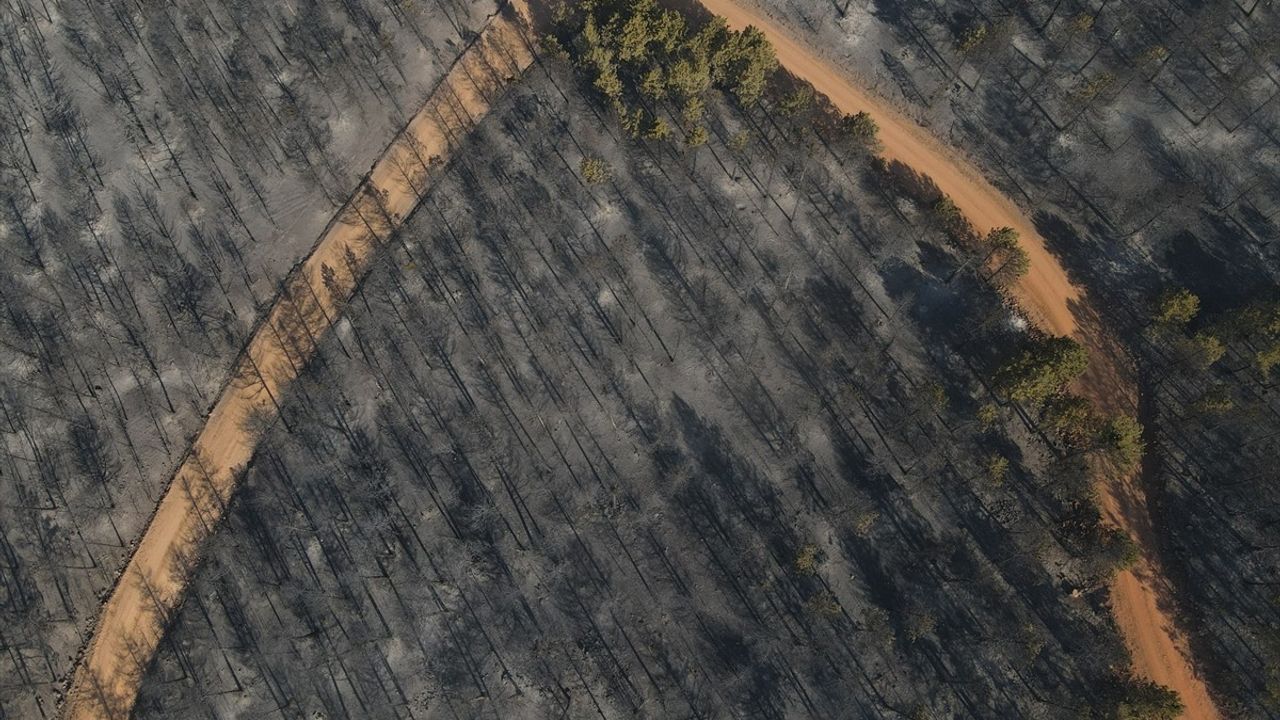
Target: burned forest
x: 639, y: 358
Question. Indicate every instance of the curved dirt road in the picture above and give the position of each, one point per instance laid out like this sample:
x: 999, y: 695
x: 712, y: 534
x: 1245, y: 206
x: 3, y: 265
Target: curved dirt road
x: 1159, y: 650
x: 150, y: 588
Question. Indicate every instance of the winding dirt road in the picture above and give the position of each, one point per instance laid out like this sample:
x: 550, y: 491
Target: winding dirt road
x: 150, y: 589
x: 1139, y: 596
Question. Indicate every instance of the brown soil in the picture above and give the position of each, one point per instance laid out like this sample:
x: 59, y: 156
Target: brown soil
x: 1139, y: 596
x: 151, y: 586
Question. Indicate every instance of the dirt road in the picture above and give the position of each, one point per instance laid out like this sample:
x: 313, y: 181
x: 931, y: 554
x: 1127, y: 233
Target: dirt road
x: 1160, y: 652
x: 150, y: 589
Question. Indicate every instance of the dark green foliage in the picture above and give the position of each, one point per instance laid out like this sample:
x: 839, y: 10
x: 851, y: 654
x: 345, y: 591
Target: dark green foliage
x: 1117, y: 551
x: 1122, y: 438
x: 862, y: 129
x: 1042, y: 370
x: 1257, y: 328
x: 797, y: 101
x: 638, y: 55
x: 1005, y: 256
x: 1139, y: 699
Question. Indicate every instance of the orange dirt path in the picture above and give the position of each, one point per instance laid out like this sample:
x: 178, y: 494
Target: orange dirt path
x: 1160, y: 652
x: 151, y: 587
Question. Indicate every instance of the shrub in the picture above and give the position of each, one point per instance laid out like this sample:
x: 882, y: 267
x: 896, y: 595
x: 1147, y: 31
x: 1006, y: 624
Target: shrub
x: 1258, y: 325
x: 825, y: 603
x: 1117, y: 551
x: 972, y: 38
x: 659, y: 129
x: 1267, y: 359
x: 1175, y: 307
x: 1198, y: 352
x: 1153, y: 55
x: 953, y: 222
x: 552, y: 47
x: 807, y: 560
x: 594, y: 170
x: 933, y: 397
x: 988, y: 415
x: 653, y: 84
x: 1214, y: 401
x: 864, y: 522
x: 698, y: 136
x: 692, y: 111
x: 875, y: 621
x: 1122, y: 438
x: 797, y: 101
x: 1081, y: 23
x: 1135, y: 698
x: 861, y: 128
x: 996, y: 467
x: 1089, y: 89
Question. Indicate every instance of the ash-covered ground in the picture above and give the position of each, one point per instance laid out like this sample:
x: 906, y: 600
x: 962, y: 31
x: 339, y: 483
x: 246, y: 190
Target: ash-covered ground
x: 701, y: 440
x: 162, y: 166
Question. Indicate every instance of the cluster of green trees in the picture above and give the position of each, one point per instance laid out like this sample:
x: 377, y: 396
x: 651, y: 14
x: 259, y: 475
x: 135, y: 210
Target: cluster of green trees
x: 1040, y: 375
x: 1253, y: 330
x: 999, y: 256
x: 651, y: 65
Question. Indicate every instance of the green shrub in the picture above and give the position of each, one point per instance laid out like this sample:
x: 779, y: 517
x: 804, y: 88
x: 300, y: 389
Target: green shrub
x: 996, y: 467
x: 594, y: 170
x: 972, y: 38
x: 697, y: 136
x: 988, y: 415
x: 1176, y: 307
x: 1121, y: 437
x: 807, y: 560
x: 797, y: 101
